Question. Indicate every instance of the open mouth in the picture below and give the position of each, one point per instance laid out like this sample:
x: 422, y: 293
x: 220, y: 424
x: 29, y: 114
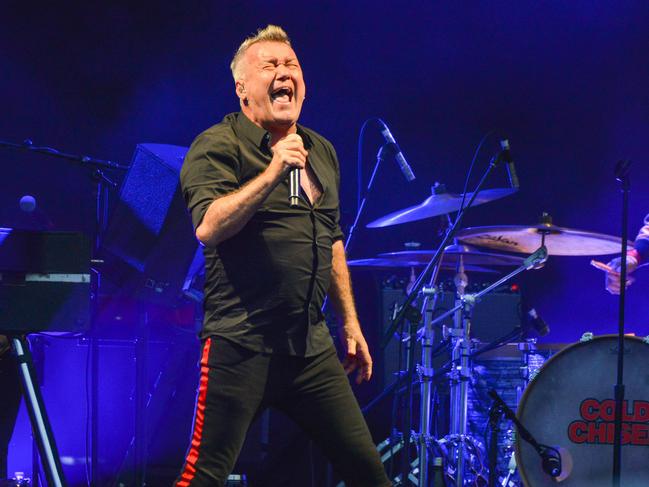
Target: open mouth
x: 282, y: 95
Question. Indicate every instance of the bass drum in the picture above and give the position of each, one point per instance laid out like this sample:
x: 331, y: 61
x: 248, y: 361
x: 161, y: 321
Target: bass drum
x: 570, y: 406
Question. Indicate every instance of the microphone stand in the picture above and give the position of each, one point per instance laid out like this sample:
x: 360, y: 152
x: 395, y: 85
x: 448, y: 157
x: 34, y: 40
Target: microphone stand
x: 361, y: 206
x: 83, y: 159
x: 550, y: 457
x: 495, y: 413
x: 622, y: 175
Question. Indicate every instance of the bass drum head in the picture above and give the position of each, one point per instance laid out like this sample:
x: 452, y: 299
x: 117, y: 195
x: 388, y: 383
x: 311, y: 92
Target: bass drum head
x: 570, y: 404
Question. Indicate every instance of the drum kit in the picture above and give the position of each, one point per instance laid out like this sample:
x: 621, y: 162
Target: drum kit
x: 564, y: 404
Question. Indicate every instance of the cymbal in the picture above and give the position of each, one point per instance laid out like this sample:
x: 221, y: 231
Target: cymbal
x: 473, y: 259
x: 452, y: 253
x: 525, y: 240
x: 439, y: 203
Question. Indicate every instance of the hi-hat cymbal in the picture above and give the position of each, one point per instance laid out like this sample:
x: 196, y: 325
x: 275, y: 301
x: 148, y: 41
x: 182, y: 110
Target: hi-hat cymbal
x: 439, y: 203
x: 525, y: 240
x: 474, y: 260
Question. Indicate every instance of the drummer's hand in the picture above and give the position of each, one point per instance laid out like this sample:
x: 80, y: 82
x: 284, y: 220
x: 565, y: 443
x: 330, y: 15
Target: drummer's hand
x: 613, y: 276
x: 357, y: 353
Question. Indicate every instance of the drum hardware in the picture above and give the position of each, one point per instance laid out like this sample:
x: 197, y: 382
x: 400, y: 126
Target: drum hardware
x: 460, y: 444
x: 532, y: 363
x: 424, y: 276
x: 531, y: 262
x: 407, y: 311
x: 461, y: 355
x: 553, y: 240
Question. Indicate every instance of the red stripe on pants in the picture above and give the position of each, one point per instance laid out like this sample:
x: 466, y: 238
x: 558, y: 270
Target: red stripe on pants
x: 192, y: 457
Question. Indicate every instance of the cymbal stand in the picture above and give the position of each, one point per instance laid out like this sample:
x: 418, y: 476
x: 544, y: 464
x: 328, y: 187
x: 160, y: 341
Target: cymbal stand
x: 461, y: 352
x: 426, y: 374
x: 460, y: 374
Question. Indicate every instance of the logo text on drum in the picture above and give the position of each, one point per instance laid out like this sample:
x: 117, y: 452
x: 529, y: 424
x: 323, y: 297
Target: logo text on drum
x: 597, y: 423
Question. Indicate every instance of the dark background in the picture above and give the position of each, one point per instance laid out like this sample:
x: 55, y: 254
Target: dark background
x: 565, y: 81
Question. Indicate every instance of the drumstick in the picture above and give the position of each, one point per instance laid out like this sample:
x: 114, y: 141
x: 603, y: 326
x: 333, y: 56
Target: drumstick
x: 602, y: 267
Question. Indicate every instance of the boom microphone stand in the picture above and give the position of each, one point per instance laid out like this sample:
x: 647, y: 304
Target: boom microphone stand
x: 550, y: 456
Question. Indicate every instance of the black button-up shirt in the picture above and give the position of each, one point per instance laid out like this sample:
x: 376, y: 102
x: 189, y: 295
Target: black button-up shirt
x: 264, y: 287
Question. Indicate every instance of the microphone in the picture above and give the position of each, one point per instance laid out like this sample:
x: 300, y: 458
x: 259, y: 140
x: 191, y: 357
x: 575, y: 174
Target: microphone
x: 401, y: 160
x: 27, y: 203
x: 551, y: 457
x: 551, y: 462
x: 37, y: 217
x: 506, y: 156
x: 294, y: 188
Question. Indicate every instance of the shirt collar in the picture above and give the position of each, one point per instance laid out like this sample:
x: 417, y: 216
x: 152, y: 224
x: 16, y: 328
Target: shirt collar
x: 261, y: 137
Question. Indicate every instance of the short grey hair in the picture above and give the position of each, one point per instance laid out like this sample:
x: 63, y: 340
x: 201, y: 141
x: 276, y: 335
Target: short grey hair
x: 273, y: 33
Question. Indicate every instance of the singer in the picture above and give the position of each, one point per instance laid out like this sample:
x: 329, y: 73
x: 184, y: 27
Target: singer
x: 269, y: 266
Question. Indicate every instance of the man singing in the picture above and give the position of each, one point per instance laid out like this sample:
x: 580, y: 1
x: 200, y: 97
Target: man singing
x: 268, y: 268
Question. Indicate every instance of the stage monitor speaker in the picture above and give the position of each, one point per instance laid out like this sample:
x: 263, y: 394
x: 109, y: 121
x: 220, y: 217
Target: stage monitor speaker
x: 150, y: 230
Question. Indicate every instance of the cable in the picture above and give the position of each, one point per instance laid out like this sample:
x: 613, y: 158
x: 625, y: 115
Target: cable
x: 468, y: 174
x: 359, y: 160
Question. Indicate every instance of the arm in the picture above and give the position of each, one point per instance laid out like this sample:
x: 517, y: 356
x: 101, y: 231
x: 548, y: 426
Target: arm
x: 228, y: 214
x: 642, y: 243
x: 634, y: 259
x: 340, y: 293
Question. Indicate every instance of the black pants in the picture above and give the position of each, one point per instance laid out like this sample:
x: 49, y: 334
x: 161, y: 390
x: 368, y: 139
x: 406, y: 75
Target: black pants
x: 236, y: 384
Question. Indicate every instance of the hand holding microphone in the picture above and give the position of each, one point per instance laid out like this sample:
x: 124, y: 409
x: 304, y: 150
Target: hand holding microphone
x: 289, y: 154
